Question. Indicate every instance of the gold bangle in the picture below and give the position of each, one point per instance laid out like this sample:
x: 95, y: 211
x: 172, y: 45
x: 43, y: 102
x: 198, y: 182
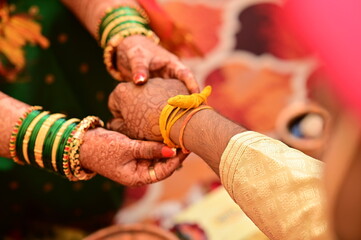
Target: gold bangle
x: 57, y: 141
x: 77, y: 139
x: 39, y: 142
x: 28, y: 132
x: 115, y: 40
x: 108, y: 61
x: 114, y: 23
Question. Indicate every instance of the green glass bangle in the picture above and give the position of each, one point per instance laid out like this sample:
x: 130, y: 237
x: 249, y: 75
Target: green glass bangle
x: 32, y: 140
x: 121, y: 27
x: 48, y: 144
x: 115, y: 13
x: 122, y: 11
x: 102, y: 28
x: 117, y: 22
x: 21, y: 134
x: 60, y: 151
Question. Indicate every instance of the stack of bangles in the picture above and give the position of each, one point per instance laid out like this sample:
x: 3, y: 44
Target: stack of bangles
x: 117, y: 24
x: 51, y: 141
x: 177, y: 107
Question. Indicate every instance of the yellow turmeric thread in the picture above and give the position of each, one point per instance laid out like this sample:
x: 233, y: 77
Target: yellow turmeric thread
x: 178, y: 106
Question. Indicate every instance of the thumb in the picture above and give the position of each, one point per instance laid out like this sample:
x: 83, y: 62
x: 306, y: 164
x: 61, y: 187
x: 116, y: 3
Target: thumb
x: 151, y: 150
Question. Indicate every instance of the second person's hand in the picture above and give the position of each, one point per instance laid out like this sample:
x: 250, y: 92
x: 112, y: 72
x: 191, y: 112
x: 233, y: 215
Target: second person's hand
x: 139, y: 58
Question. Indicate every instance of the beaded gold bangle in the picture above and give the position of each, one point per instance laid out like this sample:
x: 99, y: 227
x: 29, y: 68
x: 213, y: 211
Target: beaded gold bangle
x: 14, y: 134
x: 62, y: 157
x: 39, y: 143
x: 109, y: 63
x: 66, y: 166
x: 29, y: 130
x: 77, y: 139
x: 57, y: 141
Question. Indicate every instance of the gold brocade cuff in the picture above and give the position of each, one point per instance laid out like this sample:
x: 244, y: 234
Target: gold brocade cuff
x: 235, y: 149
x: 278, y: 187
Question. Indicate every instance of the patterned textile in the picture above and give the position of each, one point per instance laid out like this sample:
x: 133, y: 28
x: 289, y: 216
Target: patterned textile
x: 278, y: 187
x: 68, y: 77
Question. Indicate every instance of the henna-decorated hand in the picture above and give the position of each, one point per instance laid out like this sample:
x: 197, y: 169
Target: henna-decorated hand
x: 127, y: 161
x: 136, y: 109
x: 139, y: 58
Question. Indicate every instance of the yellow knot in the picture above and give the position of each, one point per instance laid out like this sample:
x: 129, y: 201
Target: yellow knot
x: 173, y: 111
x: 190, y: 101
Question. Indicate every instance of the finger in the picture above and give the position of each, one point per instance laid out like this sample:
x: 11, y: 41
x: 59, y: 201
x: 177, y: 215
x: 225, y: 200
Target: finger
x: 139, y: 66
x: 118, y: 125
x: 158, y: 62
x: 179, y: 71
x: 163, y: 169
x: 188, y: 78
x: 151, y: 150
x: 173, y: 68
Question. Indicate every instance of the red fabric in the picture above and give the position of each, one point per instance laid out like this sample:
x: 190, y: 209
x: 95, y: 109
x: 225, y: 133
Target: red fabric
x: 332, y: 29
x: 173, y: 37
x: 160, y: 21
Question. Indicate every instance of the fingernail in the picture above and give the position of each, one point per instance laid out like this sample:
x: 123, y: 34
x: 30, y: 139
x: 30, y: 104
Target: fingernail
x: 139, y: 78
x: 168, y: 152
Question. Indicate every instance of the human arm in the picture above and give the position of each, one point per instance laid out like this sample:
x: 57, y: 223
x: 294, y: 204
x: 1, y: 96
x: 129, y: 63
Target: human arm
x: 136, y: 57
x: 108, y: 153
x: 278, y: 187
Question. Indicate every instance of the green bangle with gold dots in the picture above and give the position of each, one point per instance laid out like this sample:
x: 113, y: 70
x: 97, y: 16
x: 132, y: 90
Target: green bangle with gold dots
x: 57, y: 140
x: 61, y: 147
x: 18, y: 132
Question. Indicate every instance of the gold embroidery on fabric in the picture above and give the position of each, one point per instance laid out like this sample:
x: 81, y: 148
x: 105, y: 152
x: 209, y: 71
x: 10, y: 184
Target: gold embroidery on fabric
x: 278, y: 187
x: 16, y: 31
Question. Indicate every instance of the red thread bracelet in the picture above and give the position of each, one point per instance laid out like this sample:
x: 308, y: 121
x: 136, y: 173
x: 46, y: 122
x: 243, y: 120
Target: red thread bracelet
x: 184, y: 124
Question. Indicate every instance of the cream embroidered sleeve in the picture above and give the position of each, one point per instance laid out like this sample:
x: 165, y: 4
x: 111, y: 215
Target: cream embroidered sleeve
x: 278, y: 187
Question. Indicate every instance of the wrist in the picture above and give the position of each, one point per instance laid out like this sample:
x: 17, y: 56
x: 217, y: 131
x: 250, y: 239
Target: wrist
x: 10, y: 111
x: 118, y: 24
x: 183, y: 129
x: 206, y: 134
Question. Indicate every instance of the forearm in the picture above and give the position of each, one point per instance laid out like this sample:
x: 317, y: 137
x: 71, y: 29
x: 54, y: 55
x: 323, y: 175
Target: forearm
x: 10, y: 111
x: 89, y: 12
x: 206, y: 134
x: 258, y: 171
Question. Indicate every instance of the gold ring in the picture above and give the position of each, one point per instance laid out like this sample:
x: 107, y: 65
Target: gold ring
x: 152, y: 174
